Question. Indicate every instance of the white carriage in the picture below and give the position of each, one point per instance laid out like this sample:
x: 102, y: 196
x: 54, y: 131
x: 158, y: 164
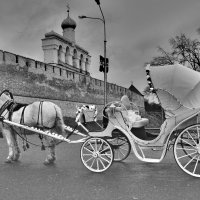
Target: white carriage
x: 178, y: 90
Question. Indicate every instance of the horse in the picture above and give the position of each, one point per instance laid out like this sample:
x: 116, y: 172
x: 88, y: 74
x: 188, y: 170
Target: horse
x: 39, y: 114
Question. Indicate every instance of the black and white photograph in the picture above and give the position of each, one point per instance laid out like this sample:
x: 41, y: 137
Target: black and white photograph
x: 99, y: 99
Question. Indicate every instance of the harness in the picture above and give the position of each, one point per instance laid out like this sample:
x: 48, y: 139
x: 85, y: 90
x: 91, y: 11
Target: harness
x: 7, y: 105
x: 11, y: 107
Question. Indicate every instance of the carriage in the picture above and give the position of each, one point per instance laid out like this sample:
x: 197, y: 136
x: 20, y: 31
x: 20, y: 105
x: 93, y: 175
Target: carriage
x: 177, y: 88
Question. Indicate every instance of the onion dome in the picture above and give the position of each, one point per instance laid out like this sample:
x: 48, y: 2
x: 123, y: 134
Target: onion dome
x: 68, y: 23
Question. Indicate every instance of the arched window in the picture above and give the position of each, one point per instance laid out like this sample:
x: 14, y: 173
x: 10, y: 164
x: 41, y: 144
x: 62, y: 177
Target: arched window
x: 81, y: 62
x: 86, y: 64
x: 67, y: 54
x: 59, y: 53
x: 74, y: 58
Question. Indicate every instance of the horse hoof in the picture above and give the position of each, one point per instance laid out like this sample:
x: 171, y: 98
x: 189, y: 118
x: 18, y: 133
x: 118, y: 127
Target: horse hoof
x: 16, y: 158
x: 8, y: 161
x: 49, y: 161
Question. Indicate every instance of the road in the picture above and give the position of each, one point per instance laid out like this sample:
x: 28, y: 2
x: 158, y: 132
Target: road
x: 68, y: 179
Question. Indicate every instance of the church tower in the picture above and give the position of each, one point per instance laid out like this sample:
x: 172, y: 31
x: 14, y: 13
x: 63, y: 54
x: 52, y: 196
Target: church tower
x: 63, y: 50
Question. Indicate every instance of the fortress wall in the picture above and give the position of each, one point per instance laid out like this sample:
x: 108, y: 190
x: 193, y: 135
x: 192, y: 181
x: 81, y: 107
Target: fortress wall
x: 10, y: 58
x: 1, y: 57
x: 28, y: 78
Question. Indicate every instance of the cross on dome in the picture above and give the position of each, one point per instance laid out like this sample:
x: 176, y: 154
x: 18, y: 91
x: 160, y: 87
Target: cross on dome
x: 68, y: 8
x: 68, y: 22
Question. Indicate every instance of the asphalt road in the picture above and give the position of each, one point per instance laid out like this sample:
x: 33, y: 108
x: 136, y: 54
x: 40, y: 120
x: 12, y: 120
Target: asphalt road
x: 29, y: 179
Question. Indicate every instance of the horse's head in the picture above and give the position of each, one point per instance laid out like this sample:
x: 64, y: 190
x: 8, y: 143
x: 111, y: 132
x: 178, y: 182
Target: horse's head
x: 5, y: 96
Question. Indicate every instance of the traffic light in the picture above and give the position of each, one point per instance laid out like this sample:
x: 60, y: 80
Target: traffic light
x: 101, y: 59
x: 102, y: 66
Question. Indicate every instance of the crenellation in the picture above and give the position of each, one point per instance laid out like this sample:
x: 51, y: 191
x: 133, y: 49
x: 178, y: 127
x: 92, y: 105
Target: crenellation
x: 76, y: 78
x: 72, y: 76
x: 1, y: 57
x: 31, y: 63
x: 10, y: 58
x: 56, y: 72
x: 40, y: 68
x: 49, y: 71
x: 21, y: 61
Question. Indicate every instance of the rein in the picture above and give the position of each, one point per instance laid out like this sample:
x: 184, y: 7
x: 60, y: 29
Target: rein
x: 7, y: 105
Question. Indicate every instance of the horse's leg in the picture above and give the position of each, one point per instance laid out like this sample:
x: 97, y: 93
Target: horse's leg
x: 17, y: 149
x: 51, y: 157
x: 10, y: 141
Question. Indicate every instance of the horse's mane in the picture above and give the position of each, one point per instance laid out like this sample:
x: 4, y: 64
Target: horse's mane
x: 17, y: 106
x: 7, y: 92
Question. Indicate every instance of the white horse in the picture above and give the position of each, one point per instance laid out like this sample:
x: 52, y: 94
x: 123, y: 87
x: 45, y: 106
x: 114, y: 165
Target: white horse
x: 45, y: 115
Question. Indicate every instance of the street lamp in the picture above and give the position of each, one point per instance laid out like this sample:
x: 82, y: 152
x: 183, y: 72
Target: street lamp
x: 105, y: 64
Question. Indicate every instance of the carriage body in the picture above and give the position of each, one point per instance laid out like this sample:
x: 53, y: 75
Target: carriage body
x: 178, y: 90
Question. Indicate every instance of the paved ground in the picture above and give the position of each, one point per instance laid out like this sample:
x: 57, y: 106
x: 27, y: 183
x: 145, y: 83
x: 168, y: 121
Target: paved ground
x: 29, y: 179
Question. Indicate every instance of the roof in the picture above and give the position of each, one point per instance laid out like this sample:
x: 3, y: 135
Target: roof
x: 68, y: 23
x: 133, y: 89
x: 53, y: 34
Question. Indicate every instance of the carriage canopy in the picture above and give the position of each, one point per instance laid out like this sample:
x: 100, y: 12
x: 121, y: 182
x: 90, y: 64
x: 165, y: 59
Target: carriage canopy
x: 175, y: 85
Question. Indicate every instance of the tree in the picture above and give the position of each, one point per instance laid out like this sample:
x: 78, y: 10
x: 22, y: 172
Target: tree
x: 183, y: 50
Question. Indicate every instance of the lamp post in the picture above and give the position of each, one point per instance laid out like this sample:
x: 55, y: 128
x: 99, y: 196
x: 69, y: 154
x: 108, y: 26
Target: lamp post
x: 105, y: 65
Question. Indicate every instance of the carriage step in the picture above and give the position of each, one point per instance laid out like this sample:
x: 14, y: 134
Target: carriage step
x: 151, y: 160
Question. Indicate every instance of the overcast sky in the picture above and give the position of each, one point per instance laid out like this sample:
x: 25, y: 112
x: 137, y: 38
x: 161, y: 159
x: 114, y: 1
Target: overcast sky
x: 135, y: 28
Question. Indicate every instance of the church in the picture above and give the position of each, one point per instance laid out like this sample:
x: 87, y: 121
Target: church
x: 63, y: 49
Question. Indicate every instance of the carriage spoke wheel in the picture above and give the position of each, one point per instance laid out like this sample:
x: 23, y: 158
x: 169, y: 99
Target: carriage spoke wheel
x: 96, y: 154
x: 121, y: 146
x: 187, y: 150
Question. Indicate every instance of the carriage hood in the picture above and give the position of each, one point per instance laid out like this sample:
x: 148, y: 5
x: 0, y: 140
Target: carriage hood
x: 175, y: 86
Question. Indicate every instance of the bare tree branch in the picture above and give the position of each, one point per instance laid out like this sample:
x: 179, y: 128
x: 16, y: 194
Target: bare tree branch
x: 183, y: 50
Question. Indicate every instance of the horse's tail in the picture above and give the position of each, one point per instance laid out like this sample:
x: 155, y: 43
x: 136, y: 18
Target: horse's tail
x: 59, y: 122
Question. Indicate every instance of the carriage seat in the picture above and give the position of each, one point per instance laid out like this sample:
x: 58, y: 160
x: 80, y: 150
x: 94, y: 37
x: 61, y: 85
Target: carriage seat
x: 134, y: 119
x: 140, y: 123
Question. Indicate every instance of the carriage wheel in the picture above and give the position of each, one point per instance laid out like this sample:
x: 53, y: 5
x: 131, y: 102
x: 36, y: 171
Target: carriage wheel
x: 120, y: 145
x: 187, y: 150
x: 96, y: 154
